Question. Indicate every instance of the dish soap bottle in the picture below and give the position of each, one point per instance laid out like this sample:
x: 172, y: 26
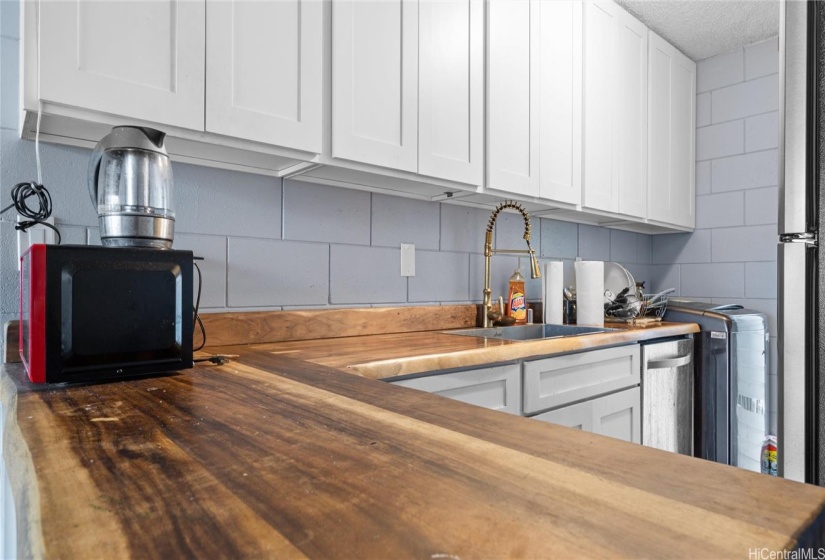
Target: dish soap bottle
x: 516, y: 302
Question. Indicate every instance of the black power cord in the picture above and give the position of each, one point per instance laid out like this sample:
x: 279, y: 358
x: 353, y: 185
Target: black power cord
x: 20, y: 195
x: 197, y: 306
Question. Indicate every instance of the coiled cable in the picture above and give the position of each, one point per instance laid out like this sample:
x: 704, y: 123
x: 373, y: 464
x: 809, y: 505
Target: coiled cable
x: 20, y: 195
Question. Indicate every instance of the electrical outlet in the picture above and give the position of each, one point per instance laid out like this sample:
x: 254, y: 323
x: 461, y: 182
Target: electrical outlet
x: 407, y: 259
x: 35, y: 234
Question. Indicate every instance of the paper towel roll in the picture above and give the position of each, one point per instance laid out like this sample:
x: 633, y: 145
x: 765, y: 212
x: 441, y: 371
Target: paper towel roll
x: 589, y: 292
x: 552, y: 292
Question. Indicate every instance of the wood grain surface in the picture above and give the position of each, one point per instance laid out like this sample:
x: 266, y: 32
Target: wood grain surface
x: 391, y: 355
x: 278, y: 457
x: 276, y: 326
x: 11, y: 342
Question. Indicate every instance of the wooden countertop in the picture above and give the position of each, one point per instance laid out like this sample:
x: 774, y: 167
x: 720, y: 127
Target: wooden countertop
x: 391, y: 355
x: 280, y: 455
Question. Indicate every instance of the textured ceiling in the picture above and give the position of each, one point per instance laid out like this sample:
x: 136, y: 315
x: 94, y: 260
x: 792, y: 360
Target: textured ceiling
x: 704, y: 28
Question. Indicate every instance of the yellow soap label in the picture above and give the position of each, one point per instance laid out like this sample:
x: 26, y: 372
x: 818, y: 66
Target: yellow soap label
x: 518, y: 306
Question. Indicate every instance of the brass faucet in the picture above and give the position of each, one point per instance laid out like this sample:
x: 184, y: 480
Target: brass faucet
x: 489, y: 251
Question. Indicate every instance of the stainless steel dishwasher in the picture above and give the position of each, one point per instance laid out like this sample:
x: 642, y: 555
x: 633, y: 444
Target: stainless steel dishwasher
x: 667, y: 395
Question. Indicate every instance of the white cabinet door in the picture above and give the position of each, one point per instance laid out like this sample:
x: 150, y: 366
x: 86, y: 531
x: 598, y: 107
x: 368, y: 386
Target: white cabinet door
x: 579, y: 416
x: 599, y: 181
x: 513, y: 96
x: 142, y: 60
x: 672, y: 120
x: 615, y: 110
x: 451, y: 90
x: 264, y: 66
x: 375, y: 82
x: 496, y: 388
x: 560, y: 99
x: 557, y: 381
x: 630, y: 143
x: 617, y: 415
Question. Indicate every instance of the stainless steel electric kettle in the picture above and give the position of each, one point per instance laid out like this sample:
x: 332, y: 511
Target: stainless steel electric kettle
x: 130, y: 182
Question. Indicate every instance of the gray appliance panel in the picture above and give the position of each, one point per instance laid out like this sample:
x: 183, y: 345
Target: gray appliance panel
x: 667, y: 396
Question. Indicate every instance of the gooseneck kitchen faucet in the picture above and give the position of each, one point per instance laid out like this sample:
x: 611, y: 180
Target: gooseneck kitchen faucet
x: 489, y: 251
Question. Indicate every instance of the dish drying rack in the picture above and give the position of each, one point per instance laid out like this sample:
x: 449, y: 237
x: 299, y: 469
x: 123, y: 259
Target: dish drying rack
x: 650, y: 308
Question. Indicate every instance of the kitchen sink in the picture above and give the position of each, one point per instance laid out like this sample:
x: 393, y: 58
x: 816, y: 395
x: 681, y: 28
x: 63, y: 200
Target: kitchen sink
x: 530, y: 332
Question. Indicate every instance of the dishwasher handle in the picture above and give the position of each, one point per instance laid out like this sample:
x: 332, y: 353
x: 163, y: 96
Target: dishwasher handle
x: 670, y: 362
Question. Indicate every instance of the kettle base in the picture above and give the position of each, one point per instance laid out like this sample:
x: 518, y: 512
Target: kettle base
x: 130, y: 230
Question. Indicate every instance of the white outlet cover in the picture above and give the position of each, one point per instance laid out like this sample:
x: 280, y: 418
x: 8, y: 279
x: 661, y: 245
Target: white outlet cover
x: 407, y: 259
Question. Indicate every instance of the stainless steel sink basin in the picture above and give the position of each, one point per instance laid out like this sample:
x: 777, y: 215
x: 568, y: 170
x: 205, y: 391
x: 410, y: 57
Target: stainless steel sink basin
x: 530, y: 332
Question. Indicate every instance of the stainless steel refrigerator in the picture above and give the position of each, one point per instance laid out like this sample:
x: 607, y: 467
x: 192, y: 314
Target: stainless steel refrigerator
x: 801, y: 404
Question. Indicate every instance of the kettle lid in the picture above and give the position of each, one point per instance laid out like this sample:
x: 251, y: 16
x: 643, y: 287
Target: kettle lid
x: 134, y: 137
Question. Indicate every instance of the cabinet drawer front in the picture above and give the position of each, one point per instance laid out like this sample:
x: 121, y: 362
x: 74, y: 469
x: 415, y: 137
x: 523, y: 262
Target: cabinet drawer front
x: 554, y: 382
x: 617, y: 416
x: 496, y: 388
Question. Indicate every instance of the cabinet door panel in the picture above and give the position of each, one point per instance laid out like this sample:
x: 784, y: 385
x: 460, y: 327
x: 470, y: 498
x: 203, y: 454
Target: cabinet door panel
x: 683, y: 146
x: 451, y: 90
x: 375, y: 82
x: 600, y: 182
x: 142, y: 60
x: 630, y: 146
x: 513, y: 104
x: 553, y: 382
x: 671, y: 152
x: 264, y: 69
x: 496, y: 388
x: 579, y: 416
x: 619, y: 415
x: 560, y: 85
x: 659, y: 153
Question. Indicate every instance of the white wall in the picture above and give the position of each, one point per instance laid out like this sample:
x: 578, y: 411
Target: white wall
x: 731, y: 257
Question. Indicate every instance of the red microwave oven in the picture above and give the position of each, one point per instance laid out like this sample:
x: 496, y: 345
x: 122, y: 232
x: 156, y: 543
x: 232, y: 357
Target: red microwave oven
x: 96, y: 313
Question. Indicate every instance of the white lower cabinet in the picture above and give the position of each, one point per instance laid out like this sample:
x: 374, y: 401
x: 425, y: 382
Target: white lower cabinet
x: 496, y: 388
x: 617, y: 415
x: 596, y: 391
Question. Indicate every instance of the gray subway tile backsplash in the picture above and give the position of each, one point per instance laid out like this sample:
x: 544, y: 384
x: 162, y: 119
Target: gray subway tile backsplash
x: 559, y: 240
x: 220, y: 202
x: 328, y: 214
x: 443, y: 277
x: 397, y: 220
x: 264, y: 273
x: 594, y: 243
x: 212, y: 248
x: 462, y: 228
x: 366, y: 275
x: 677, y: 248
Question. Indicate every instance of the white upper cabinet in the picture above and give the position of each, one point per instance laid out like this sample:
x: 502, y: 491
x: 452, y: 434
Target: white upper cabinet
x: 615, y: 110
x: 451, y: 90
x: 560, y: 100
x: 513, y: 96
x: 672, y: 130
x: 263, y: 71
x: 375, y: 82
x: 631, y: 132
x: 142, y: 60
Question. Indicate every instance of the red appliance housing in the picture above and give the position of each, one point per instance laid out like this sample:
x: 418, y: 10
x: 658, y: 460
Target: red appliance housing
x: 95, y: 313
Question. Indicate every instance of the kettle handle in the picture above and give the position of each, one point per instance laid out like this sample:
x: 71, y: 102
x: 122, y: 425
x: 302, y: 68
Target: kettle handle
x: 94, y: 169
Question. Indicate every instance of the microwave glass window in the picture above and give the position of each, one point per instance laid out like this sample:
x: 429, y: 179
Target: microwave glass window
x: 121, y: 313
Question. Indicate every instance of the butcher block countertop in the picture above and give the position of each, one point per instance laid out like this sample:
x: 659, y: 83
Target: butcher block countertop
x: 391, y: 355
x: 285, y: 453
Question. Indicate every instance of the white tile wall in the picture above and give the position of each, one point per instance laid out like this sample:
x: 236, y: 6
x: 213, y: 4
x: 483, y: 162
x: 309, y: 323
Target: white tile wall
x: 404, y: 220
x: 720, y: 140
x: 731, y: 257
x: 720, y: 71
